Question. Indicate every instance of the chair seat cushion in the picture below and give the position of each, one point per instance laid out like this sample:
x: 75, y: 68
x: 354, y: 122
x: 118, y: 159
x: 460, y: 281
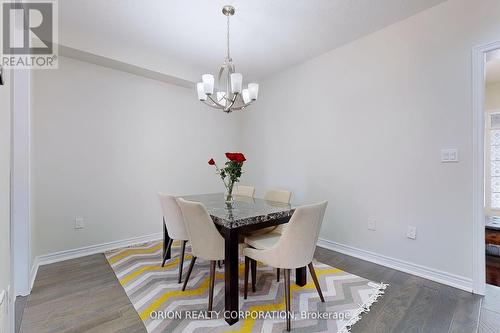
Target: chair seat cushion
x: 264, y: 241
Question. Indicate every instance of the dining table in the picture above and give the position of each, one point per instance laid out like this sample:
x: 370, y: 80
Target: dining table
x: 234, y: 220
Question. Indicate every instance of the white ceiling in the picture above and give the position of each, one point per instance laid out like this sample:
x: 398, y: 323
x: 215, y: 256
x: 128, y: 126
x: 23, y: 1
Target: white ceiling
x: 267, y: 36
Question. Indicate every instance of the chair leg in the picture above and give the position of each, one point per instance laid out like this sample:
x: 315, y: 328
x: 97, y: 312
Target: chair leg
x: 170, y: 241
x: 316, y: 282
x: 164, y: 238
x: 277, y: 275
x: 211, y: 285
x: 254, y: 273
x: 190, y: 269
x: 247, y: 263
x: 287, y: 300
x: 181, y: 263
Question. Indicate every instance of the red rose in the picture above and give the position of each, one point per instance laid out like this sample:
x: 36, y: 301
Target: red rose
x: 211, y: 162
x: 240, y: 158
x: 236, y: 157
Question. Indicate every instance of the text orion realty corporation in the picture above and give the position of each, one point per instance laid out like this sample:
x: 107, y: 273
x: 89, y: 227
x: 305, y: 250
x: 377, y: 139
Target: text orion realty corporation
x: 29, y: 34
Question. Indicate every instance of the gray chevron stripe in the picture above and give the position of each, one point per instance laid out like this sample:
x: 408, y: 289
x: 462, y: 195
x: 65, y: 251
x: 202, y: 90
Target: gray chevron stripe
x: 152, y: 288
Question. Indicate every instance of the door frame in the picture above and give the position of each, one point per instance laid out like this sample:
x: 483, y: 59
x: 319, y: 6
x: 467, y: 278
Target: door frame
x: 20, y: 181
x: 20, y: 226
x: 478, y: 190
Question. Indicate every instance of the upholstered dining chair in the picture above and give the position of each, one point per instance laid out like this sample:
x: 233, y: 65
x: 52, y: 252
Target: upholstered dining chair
x: 206, y: 241
x: 244, y: 191
x: 280, y: 196
x: 173, y: 221
x: 292, y: 249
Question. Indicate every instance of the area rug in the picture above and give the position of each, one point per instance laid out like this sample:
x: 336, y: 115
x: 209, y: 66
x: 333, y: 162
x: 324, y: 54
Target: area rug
x: 163, y: 307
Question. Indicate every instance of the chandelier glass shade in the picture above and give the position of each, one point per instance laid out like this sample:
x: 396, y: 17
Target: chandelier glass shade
x: 230, y: 95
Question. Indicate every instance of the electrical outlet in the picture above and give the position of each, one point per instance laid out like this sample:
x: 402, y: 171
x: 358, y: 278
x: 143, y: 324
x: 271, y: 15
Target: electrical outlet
x: 372, y: 225
x: 79, y: 223
x: 449, y: 155
x: 411, y: 232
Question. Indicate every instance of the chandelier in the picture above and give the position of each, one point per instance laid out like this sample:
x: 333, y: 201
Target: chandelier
x: 230, y: 95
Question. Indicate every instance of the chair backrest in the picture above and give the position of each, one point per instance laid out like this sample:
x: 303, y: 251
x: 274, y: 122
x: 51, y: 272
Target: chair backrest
x: 278, y: 196
x: 206, y: 241
x: 297, y: 244
x: 244, y: 190
x: 172, y: 215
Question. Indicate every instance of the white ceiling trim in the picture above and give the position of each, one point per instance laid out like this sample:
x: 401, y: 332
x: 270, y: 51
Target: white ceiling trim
x: 73, y: 53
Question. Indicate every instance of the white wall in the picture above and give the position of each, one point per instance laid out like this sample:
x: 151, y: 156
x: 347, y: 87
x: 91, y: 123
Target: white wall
x: 105, y: 142
x: 492, y: 96
x: 5, y: 185
x: 363, y: 125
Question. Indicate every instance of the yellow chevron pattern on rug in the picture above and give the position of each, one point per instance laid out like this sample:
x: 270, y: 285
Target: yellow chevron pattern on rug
x: 163, y: 307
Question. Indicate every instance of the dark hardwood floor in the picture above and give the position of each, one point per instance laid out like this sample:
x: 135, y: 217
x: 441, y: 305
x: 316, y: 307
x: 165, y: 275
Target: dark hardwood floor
x: 83, y: 295
x: 410, y: 304
x: 493, y: 270
x: 79, y: 295
x: 19, y: 308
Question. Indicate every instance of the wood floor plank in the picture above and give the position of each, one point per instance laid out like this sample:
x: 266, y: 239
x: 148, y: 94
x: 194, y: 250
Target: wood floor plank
x: 410, y: 303
x: 441, y: 317
x: 466, y: 314
x: 430, y: 312
x: 19, y: 307
x: 83, y: 295
x: 79, y: 295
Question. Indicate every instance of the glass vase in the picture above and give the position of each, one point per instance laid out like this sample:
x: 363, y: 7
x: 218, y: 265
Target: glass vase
x: 228, y: 194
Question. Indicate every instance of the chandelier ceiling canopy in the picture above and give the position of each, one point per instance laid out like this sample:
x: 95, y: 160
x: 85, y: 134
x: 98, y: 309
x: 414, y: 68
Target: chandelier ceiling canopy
x: 230, y: 95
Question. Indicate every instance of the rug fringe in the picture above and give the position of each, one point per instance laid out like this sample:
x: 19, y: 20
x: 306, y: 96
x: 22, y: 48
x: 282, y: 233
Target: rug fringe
x: 364, y: 309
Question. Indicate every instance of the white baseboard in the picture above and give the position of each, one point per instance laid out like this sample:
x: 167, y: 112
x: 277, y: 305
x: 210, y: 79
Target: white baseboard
x: 87, y: 250
x: 449, y: 279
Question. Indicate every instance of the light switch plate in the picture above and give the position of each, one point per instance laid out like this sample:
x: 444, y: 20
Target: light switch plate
x: 79, y: 223
x: 449, y: 155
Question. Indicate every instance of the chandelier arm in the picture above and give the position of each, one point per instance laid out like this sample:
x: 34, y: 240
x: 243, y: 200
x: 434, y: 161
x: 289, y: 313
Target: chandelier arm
x: 216, y: 104
x: 233, y: 99
x: 243, y: 104
x: 209, y: 104
x: 234, y: 105
x: 221, y: 70
x: 241, y: 107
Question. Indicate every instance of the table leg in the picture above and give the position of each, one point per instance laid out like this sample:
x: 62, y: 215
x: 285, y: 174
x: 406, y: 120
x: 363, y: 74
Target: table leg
x: 167, y: 253
x: 231, y: 275
x: 301, y: 276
